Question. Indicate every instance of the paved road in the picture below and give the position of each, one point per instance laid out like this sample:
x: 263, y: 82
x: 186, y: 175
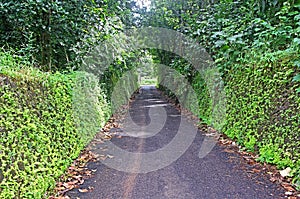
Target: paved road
x: 217, y: 175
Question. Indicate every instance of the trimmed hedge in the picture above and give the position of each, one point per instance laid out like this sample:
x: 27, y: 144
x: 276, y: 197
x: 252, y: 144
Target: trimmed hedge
x: 257, y: 53
x: 40, y: 135
x: 263, y: 110
x: 263, y: 105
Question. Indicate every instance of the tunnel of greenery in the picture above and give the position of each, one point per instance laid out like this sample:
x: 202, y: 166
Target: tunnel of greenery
x: 255, y: 45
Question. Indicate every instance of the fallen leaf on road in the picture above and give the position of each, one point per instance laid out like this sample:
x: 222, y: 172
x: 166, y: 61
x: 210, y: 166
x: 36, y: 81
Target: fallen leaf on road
x: 273, y: 179
x: 69, y: 185
x: 102, y: 157
x: 60, y: 197
x: 288, y: 193
x: 110, y: 156
x: 255, y: 170
x: 83, y: 190
x: 288, y: 186
x: 285, y: 172
x: 229, y: 151
x: 77, y: 177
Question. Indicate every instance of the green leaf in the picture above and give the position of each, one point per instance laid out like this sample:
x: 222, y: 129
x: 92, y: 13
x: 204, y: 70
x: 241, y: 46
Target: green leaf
x: 297, y: 63
x: 297, y: 78
x: 297, y: 41
x: 220, y: 43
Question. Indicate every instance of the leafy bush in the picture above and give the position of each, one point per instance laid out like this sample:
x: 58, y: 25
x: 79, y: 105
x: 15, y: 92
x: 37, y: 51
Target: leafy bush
x: 263, y: 110
x: 40, y: 134
x: 255, y: 44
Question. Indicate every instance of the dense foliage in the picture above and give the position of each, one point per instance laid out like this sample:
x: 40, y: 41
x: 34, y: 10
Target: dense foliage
x: 46, y: 120
x: 56, y: 34
x: 48, y: 117
x: 255, y: 45
x: 40, y: 135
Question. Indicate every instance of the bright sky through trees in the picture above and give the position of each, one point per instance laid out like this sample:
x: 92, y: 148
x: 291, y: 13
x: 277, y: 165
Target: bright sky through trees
x: 143, y: 3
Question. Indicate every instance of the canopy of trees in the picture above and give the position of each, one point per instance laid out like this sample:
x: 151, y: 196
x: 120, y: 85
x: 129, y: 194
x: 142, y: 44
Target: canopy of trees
x: 255, y: 44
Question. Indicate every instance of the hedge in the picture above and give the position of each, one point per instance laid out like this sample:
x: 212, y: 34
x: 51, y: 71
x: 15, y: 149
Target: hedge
x: 262, y: 105
x: 40, y: 134
x: 263, y: 109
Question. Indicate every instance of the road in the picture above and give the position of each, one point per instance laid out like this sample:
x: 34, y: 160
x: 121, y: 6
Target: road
x: 133, y: 175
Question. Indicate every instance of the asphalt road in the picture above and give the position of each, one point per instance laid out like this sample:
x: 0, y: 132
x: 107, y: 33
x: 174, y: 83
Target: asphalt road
x: 134, y: 175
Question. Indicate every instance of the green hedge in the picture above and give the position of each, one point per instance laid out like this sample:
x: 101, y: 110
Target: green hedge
x: 263, y: 105
x: 263, y: 110
x: 175, y: 84
x: 40, y: 136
